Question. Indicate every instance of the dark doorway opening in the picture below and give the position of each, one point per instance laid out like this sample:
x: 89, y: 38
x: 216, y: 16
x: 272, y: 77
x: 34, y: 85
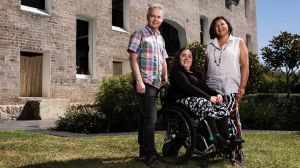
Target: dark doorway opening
x: 170, y: 35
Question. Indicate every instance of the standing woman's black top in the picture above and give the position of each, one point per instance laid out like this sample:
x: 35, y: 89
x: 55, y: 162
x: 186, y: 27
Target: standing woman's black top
x: 186, y: 84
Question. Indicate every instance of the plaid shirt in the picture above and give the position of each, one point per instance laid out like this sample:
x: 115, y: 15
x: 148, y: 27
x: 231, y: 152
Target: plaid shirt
x: 151, y: 51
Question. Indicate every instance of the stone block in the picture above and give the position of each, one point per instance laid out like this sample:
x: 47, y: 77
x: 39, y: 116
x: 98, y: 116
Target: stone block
x: 53, y: 108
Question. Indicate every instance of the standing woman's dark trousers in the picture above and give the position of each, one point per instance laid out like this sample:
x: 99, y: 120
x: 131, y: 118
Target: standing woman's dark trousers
x: 148, y: 120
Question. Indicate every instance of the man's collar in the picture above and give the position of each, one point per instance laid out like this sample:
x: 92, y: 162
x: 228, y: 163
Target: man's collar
x: 151, y: 31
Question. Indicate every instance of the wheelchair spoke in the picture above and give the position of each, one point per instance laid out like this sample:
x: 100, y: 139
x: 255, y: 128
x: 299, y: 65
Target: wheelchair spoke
x: 175, y: 136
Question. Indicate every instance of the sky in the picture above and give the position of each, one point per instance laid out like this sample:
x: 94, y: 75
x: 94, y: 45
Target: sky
x: 274, y: 16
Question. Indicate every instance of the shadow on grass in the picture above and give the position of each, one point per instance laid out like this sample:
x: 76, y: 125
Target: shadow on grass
x: 91, y: 163
x: 124, y: 162
x: 121, y: 162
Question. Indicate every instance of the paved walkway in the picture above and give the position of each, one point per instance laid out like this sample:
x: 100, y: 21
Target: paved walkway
x: 27, y: 124
x: 44, y: 126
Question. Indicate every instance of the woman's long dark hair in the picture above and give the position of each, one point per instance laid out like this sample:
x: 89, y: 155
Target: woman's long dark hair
x: 176, y: 61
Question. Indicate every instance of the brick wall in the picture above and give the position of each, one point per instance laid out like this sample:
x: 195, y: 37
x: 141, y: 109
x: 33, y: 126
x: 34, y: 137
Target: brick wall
x: 55, y: 35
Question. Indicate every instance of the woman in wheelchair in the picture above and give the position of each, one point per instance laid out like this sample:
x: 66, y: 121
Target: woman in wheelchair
x: 189, y: 89
x: 195, y: 117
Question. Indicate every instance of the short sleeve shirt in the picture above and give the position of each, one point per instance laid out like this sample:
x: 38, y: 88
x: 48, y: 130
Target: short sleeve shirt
x: 151, y: 51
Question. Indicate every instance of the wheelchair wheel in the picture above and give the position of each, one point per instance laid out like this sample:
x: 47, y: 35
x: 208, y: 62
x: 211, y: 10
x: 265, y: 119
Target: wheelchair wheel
x: 204, y: 162
x: 175, y: 135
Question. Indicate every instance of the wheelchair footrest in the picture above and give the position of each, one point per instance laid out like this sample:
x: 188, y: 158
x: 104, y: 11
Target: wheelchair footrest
x: 238, y: 141
x: 234, y: 140
x: 210, y: 149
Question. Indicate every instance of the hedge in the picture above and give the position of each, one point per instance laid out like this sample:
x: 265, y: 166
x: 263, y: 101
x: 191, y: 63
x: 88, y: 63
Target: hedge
x: 270, y: 112
x: 116, y: 110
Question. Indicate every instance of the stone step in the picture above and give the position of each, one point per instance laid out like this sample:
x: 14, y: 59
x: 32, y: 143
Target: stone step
x: 35, y: 110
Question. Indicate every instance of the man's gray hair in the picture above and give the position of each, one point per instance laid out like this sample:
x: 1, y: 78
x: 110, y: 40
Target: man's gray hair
x: 155, y: 5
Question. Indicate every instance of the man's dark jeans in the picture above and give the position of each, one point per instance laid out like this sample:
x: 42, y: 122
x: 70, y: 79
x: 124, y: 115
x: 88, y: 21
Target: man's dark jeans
x: 148, y: 119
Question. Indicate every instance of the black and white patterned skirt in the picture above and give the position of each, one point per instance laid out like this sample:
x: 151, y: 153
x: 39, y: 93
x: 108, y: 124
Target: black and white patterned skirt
x: 204, y: 108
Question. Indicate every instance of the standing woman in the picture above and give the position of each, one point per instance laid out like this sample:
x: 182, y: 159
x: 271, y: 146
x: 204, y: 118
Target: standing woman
x: 227, y: 71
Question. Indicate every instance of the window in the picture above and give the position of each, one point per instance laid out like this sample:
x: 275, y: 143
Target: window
x: 229, y: 3
x: 36, y: 6
x: 235, y: 2
x: 248, y: 42
x: 117, y: 68
x: 34, y: 74
x: 84, y: 46
x: 31, y: 69
x: 39, y: 4
x: 203, y: 29
x: 117, y: 13
x: 120, y: 15
x: 246, y: 8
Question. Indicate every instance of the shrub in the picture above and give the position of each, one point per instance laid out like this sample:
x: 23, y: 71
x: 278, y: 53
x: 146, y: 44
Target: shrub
x: 270, y: 111
x: 82, y: 119
x: 198, y: 51
x: 116, y: 99
x: 256, y: 71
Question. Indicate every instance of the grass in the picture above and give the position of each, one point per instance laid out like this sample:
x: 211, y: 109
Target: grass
x: 24, y: 149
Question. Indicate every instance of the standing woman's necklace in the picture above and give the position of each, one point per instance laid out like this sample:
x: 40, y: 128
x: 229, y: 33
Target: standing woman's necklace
x: 219, y: 60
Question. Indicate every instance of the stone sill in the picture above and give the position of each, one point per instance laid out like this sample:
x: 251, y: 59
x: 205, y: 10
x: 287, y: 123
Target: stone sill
x: 83, y: 76
x: 34, y: 10
x: 119, y: 29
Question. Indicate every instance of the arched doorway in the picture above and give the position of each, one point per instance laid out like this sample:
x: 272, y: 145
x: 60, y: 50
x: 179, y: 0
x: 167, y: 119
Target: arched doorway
x: 174, y: 36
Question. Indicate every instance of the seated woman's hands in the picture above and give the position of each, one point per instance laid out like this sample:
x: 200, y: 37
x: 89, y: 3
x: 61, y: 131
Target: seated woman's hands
x: 216, y: 99
x: 219, y: 99
x: 213, y: 99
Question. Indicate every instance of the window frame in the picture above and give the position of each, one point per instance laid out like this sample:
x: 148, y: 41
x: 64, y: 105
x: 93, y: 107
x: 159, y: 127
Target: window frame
x: 91, y: 44
x: 117, y: 63
x: 247, y: 8
x: 229, y: 3
x: 126, y: 18
x: 45, y: 12
x: 249, y: 42
x: 204, y: 32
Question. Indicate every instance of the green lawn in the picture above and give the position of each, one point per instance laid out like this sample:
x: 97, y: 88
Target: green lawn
x: 25, y: 149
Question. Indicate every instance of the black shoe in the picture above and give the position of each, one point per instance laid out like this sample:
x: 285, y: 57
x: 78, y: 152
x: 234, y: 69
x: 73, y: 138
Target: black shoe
x: 169, y: 149
x: 234, y: 140
x: 154, y: 162
x: 220, y: 142
x: 236, y: 163
x: 142, y: 155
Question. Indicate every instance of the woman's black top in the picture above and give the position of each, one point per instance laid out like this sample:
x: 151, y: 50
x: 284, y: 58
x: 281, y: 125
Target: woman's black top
x: 186, y: 84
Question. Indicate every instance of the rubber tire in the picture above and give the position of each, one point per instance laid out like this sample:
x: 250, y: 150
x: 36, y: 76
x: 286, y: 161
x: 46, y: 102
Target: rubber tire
x: 179, y: 113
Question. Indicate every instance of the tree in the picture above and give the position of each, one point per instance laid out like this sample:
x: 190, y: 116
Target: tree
x: 283, y: 53
x: 255, y: 80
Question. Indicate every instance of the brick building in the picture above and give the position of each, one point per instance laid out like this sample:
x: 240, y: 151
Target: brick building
x: 60, y: 51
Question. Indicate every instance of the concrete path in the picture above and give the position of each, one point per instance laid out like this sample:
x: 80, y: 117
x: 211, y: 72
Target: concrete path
x: 27, y: 124
x: 44, y: 126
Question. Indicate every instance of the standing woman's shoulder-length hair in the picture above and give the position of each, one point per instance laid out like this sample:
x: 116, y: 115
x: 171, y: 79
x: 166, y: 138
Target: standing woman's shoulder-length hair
x: 212, y: 29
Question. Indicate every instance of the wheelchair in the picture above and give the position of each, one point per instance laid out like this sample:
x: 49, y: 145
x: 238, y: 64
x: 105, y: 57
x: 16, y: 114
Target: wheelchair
x: 179, y: 135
